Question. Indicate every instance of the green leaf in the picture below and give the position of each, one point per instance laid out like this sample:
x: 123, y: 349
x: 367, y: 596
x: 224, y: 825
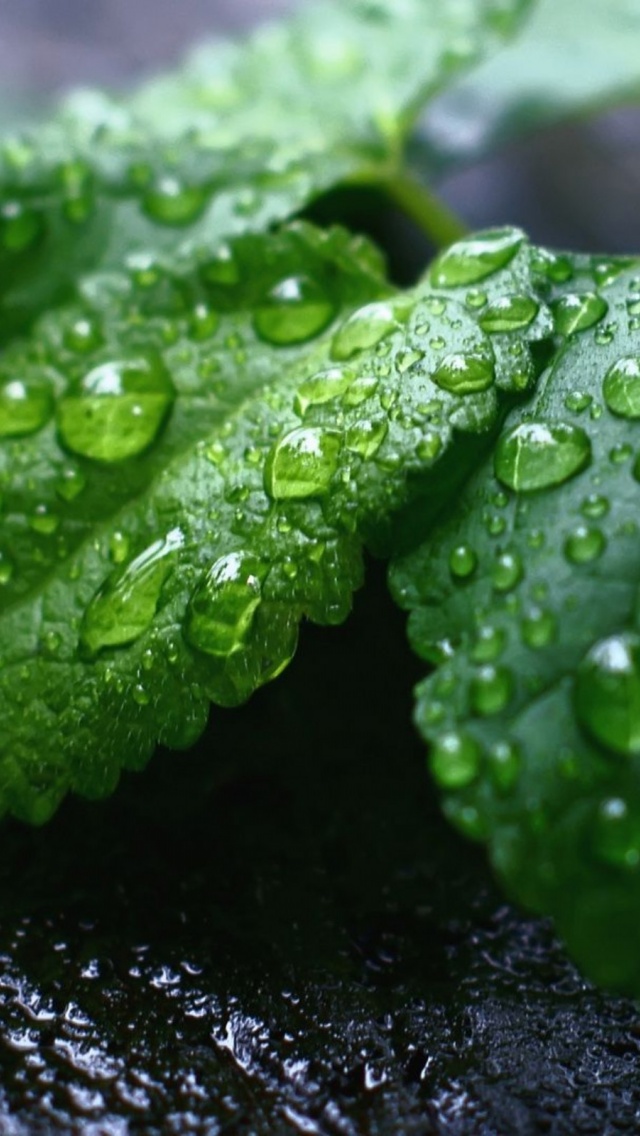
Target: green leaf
x: 246, y: 135
x: 200, y: 452
x: 572, y: 58
x: 526, y: 599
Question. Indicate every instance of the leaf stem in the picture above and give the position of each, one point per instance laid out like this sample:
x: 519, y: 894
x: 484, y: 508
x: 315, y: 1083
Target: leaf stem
x: 424, y: 207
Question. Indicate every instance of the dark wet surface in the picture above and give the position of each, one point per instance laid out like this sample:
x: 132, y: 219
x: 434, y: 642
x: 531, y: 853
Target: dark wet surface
x: 292, y: 940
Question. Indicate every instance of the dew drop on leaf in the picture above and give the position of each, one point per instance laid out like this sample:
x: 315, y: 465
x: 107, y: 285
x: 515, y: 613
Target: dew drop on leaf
x: 607, y: 693
x: 366, y: 436
x: 509, y: 313
x: 20, y: 226
x: 584, y: 544
x: 323, y: 387
x: 117, y: 410
x: 70, y: 483
x: 536, y: 455
x: 476, y: 258
x: 293, y: 311
x: 489, y: 644
x: 462, y: 562
x: 507, y: 571
x: 222, y: 608
x: 365, y: 328
x: 504, y: 763
x: 455, y: 760
x: 491, y: 689
x: 360, y: 390
x: 125, y: 605
x: 429, y: 446
x: 578, y: 312
x: 616, y: 835
x: 26, y: 405
x: 302, y: 463
x: 538, y: 628
x: 170, y: 202
x: 621, y: 387
x: 6, y: 568
x: 464, y: 373
x: 595, y: 506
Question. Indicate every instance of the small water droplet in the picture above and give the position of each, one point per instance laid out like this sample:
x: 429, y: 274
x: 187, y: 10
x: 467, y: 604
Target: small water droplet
x: 608, y: 693
x: 491, y: 689
x: 293, y: 311
x: 6, y: 569
x: 455, y: 760
x: 538, y: 628
x: 489, y: 643
x: 536, y: 455
x: 476, y: 258
x: 359, y: 391
x: 171, y: 202
x: 578, y: 311
x: 117, y: 410
x: 429, y: 446
x: 203, y: 322
x: 323, y: 387
x: 621, y: 387
x: 222, y: 608
x: 462, y: 562
x: 21, y: 226
x: 222, y: 268
x: 365, y: 328
x: 125, y: 605
x: 616, y: 836
x: 504, y: 763
x: 26, y: 405
x: 507, y: 571
x: 464, y: 373
x: 578, y: 401
x: 70, y: 483
x: 584, y: 544
x: 509, y: 313
x: 595, y: 506
x: 366, y: 436
x: 82, y: 336
x: 43, y: 520
x: 302, y: 464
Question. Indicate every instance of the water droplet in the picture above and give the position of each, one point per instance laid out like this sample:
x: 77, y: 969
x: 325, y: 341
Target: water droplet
x: 20, y: 226
x: 70, y: 483
x: 595, y: 506
x: 26, y: 405
x: 302, y: 464
x: 44, y: 521
x: 141, y: 695
x: 507, y: 571
x: 476, y: 258
x: 538, y: 628
x: 203, y: 322
x: 455, y: 760
x: 117, y: 410
x: 125, y: 605
x: 621, y: 387
x: 578, y: 401
x: 491, y: 689
x: 616, y: 836
x: 222, y: 268
x: 464, y: 374
x: 504, y: 763
x: 620, y: 453
x: 489, y: 644
x: 82, y: 336
x: 293, y: 311
x: 222, y: 609
x: 429, y: 446
x: 359, y: 391
x: 475, y: 299
x: 119, y: 547
x: 578, y: 311
x: 584, y: 544
x: 170, y: 202
x: 366, y: 436
x: 6, y: 568
x: 509, y: 313
x: 462, y: 562
x: 536, y: 455
x: 323, y: 387
x: 557, y: 269
x: 608, y: 693
x: 365, y: 328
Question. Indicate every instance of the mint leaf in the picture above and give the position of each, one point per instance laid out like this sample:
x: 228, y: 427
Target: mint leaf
x: 246, y: 135
x: 536, y: 81
x: 526, y: 600
x: 200, y: 452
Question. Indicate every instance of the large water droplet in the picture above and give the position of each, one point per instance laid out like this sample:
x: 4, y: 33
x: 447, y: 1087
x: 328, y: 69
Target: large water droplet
x: 578, y: 311
x: 302, y: 463
x: 126, y: 604
x: 536, y: 455
x: 365, y: 328
x: 608, y: 693
x: 621, y: 387
x: 117, y: 410
x: 584, y: 544
x: 476, y: 258
x: 465, y: 373
x: 26, y: 405
x: 171, y: 202
x: 323, y: 387
x: 293, y: 311
x: 221, y: 611
x: 509, y: 313
x: 455, y: 760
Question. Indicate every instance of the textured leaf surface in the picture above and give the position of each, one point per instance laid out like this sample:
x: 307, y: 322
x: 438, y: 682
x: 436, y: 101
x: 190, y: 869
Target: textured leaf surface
x: 196, y: 478
x: 246, y: 135
x: 527, y: 601
x: 571, y: 58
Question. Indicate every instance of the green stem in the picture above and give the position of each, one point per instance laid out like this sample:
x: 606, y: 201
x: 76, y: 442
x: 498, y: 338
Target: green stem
x: 435, y: 218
